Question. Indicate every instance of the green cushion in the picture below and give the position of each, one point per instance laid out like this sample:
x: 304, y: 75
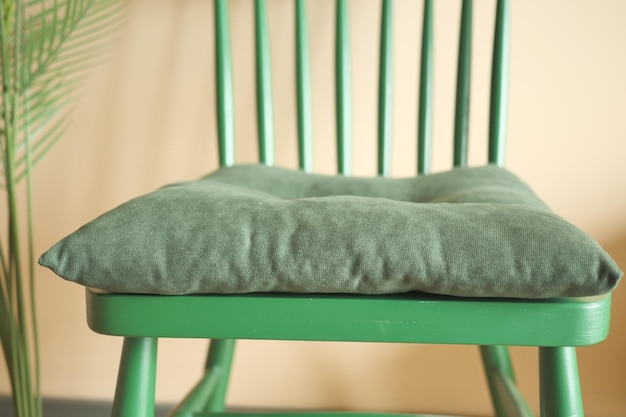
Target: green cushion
x: 477, y: 232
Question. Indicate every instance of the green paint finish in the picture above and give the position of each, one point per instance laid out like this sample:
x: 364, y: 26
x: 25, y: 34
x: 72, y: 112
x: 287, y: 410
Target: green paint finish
x: 513, y: 403
x: 219, y: 361
x: 224, y: 85
x: 385, y: 90
x: 425, y: 111
x: 463, y: 82
x: 501, y: 380
x: 134, y: 395
x: 303, y: 86
x: 415, y: 318
x: 265, y: 117
x: 209, y: 394
x: 196, y: 400
x: 499, y: 84
x: 559, y: 383
x: 344, y: 90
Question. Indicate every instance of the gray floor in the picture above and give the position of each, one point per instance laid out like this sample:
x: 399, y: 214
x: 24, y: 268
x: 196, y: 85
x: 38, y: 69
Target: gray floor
x: 69, y: 408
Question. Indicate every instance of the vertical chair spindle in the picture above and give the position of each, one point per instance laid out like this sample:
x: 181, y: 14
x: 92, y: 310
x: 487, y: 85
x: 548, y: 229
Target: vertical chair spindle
x: 461, y: 117
x: 425, y: 111
x: 499, y: 84
x: 224, y: 85
x: 343, y: 90
x: 385, y: 90
x: 497, y: 143
x: 303, y: 84
x: 264, y: 85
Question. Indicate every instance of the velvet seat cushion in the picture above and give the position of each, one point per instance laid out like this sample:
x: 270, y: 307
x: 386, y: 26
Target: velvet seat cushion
x: 472, y: 232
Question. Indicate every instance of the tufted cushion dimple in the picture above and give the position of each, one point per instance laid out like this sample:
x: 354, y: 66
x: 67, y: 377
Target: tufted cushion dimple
x: 473, y: 232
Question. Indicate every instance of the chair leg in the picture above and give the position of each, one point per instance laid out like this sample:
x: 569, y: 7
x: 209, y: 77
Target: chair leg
x: 497, y: 358
x: 559, y: 384
x: 134, y: 394
x: 209, y: 393
x: 219, y: 360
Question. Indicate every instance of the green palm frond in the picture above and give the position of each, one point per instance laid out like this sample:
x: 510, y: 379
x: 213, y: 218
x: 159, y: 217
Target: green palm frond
x: 50, y: 46
x: 46, y: 46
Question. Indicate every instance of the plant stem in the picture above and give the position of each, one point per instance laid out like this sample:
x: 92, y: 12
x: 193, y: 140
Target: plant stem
x: 17, y: 348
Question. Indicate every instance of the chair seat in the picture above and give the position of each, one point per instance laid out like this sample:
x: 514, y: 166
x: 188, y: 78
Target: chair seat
x: 412, y: 317
x: 468, y: 232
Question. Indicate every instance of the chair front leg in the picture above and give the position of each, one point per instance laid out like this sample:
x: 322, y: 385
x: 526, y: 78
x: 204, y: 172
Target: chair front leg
x: 559, y: 382
x: 134, y: 393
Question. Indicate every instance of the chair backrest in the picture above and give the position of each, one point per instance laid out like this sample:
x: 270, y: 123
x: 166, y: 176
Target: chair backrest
x: 498, y: 100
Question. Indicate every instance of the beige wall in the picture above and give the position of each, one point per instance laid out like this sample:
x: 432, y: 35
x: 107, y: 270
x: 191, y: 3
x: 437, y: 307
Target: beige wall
x: 145, y: 118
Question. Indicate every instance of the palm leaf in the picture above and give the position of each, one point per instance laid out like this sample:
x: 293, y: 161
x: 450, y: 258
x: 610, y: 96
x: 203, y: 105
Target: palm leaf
x: 46, y: 46
x: 60, y: 41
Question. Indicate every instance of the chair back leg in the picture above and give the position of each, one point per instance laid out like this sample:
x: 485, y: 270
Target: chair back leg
x: 209, y: 394
x: 506, y: 398
x: 219, y: 360
x: 496, y: 359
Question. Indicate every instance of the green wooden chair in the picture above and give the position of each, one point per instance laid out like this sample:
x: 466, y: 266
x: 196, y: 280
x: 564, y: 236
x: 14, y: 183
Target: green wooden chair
x: 556, y: 325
